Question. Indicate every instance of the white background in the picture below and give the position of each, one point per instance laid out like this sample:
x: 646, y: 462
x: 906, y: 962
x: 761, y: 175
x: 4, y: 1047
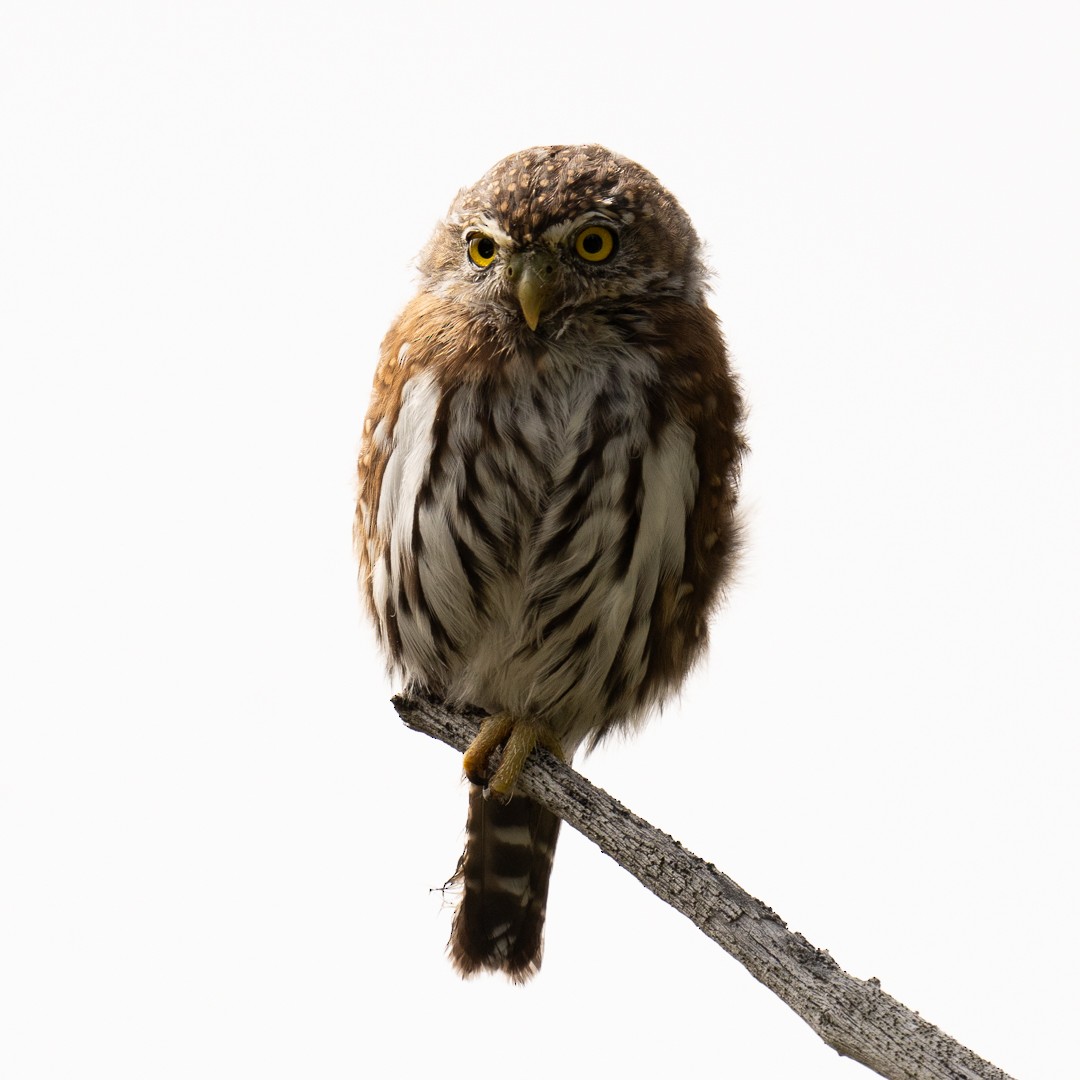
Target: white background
x: 216, y: 840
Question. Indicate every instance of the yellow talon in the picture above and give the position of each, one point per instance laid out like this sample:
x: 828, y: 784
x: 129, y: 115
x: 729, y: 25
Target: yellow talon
x: 493, y: 731
x: 517, y: 736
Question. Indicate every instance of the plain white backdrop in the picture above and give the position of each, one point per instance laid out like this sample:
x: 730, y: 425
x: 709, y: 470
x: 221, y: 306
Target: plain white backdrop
x: 217, y: 843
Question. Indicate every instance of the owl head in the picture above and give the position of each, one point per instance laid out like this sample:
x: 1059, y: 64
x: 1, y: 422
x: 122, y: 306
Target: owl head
x: 555, y: 233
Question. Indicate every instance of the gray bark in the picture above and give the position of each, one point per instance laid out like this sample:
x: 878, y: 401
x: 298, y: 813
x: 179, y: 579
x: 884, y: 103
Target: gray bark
x: 855, y: 1017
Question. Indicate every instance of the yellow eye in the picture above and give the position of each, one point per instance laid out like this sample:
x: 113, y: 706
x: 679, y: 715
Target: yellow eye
x: 595, y: 244
x: 482, y: 250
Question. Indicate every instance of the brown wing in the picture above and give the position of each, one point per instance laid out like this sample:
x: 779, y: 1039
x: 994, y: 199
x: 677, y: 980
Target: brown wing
x: 699, y: 388
x: 391, y: 374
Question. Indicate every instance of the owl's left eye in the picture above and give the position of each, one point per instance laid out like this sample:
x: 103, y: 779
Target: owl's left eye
x: 595, y: 244
x: 481, y: 250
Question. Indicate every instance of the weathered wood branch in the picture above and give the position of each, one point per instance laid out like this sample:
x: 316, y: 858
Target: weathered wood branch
x: 855, y: 1017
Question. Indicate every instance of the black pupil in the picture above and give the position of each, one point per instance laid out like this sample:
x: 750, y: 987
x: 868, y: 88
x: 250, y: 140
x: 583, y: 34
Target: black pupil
x: 485, y: 247
x: 592, y: 243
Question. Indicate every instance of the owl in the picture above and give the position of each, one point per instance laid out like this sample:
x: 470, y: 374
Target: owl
x: 547, y: 493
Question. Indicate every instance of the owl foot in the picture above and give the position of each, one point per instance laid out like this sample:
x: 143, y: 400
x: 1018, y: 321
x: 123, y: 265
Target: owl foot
x: 517, y: 736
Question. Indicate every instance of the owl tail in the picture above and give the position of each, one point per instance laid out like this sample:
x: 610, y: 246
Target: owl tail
x: 505, y: 870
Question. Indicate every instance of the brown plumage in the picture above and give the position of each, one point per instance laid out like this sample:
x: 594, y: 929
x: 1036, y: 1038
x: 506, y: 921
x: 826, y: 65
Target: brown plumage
x: 548, y: 476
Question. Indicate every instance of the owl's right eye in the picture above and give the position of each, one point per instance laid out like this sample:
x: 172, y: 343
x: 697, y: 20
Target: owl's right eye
x: 482, y: 250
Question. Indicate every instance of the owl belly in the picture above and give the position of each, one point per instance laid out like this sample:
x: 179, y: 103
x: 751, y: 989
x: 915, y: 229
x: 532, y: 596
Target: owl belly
x: 531, y: 540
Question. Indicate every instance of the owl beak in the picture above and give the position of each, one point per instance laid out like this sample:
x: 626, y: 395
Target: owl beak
x: 533, y: 273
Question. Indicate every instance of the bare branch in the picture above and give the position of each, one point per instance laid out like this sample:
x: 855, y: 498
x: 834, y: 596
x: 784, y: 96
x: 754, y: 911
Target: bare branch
x: 855, y: 1018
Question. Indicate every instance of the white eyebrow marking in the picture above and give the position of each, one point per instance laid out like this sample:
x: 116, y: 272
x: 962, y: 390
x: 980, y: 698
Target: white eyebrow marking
x: 487, y: 225
x: 558, y: 233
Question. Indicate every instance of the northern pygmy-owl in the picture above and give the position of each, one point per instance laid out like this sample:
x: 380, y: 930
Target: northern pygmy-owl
x: 548, y: 473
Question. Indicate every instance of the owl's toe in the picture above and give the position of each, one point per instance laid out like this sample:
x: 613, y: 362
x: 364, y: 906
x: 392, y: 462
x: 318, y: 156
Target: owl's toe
x: 517, y: 736
x: 494, y: 731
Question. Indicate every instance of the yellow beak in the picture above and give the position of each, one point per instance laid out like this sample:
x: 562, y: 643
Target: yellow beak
x: 533, y: 272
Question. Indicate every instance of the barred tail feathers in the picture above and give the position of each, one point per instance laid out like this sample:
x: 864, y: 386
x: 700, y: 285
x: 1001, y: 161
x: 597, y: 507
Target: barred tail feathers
x: 505, y: 871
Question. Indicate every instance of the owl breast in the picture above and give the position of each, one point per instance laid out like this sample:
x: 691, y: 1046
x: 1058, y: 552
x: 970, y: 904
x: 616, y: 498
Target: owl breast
x: 530, y: 525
